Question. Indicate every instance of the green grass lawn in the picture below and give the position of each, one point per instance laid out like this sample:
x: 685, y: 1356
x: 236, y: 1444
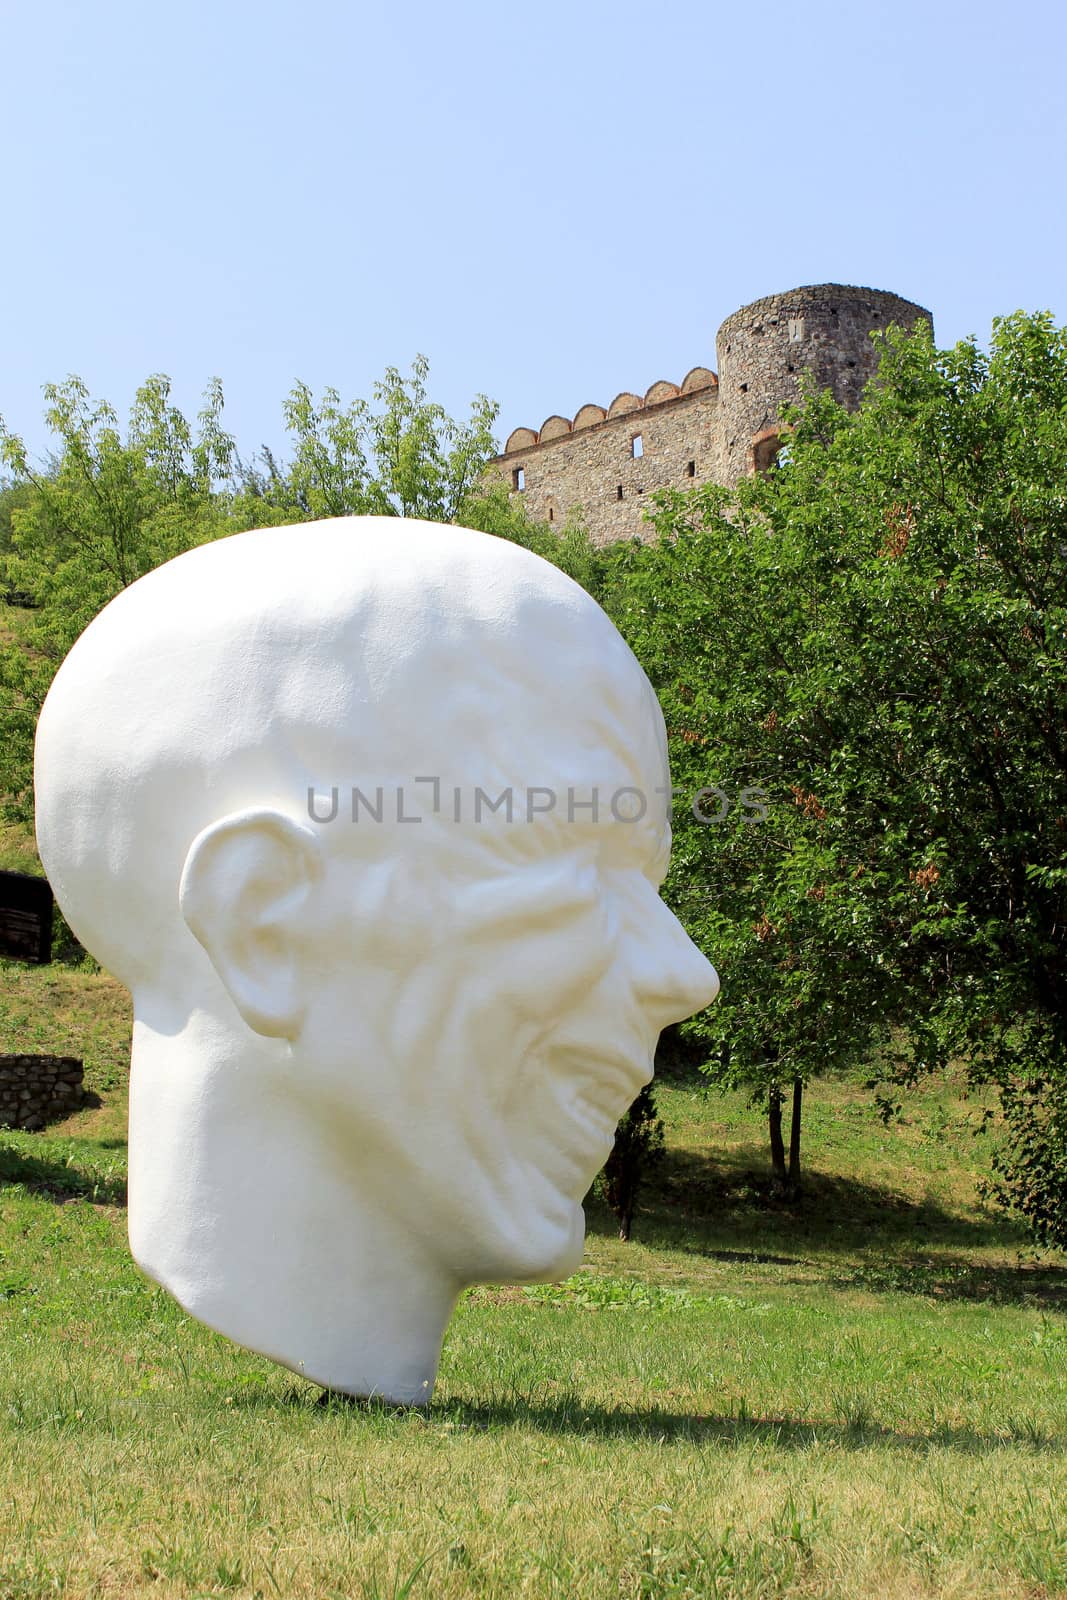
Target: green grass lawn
x: 864, y: 1394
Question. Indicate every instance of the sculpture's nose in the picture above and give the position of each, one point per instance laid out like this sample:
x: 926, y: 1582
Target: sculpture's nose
x: 672, y: 977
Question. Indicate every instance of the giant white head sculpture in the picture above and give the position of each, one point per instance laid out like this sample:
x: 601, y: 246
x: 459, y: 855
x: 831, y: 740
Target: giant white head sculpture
x: 370, y: 816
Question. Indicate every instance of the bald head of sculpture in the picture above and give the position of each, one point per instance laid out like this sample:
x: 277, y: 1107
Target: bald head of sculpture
x: 365, y: 814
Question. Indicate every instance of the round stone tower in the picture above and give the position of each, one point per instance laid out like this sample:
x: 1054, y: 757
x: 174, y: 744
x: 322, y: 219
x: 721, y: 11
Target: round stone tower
x: 763, y: 348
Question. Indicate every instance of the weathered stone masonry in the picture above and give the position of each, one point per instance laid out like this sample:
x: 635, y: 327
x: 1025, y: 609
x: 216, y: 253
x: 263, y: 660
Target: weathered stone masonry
x: 35, y: 1090
x: 708, y: 428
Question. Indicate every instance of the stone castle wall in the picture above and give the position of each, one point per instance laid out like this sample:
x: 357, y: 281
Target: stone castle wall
x: 708, y: 428
x: 593, y: 463
x: 35, y: 1090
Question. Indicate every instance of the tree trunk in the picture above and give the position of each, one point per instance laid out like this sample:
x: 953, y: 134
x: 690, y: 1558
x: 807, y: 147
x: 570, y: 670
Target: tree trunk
x: 774, y: 1113
x: 794, y: 1135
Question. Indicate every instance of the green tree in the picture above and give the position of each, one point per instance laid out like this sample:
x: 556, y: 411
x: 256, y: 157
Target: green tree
x: 876, y: 633
x: 105, y: 509
x: 763, y: 868
x: 638, y: 1149
x: 401, y: 456
x: 13, y: 497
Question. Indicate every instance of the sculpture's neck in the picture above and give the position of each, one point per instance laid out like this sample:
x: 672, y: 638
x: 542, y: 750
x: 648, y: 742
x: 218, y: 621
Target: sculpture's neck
x: 259, y: 1235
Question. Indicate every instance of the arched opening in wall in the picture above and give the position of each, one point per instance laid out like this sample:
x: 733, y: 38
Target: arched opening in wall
x: 518, y: 479
x: 637, y: 447
x: 763, y: 451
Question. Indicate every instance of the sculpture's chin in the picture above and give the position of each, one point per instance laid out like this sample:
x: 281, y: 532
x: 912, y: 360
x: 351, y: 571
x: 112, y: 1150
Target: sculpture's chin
x: 552, y: 1256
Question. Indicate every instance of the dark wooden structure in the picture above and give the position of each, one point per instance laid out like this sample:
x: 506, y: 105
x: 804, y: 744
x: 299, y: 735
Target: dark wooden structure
x: 25, y: 917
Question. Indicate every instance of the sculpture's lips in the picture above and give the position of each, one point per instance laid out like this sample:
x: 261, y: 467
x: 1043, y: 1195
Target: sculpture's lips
x: 612, y: 1083
x: 591, y: 1096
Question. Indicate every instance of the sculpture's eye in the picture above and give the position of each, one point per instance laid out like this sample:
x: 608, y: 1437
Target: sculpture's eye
x: 637, y: 847
x: 545, y: 895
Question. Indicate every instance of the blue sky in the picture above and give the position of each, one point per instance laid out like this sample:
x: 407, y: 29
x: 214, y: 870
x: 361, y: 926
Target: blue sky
x: 553, y: 202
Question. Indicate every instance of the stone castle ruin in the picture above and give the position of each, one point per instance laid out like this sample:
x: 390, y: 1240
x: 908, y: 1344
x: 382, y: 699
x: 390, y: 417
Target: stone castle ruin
x: 708, y: 427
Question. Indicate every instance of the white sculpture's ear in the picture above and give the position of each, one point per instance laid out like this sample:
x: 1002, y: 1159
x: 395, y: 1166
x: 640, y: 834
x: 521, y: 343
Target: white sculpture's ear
x: 245, y: 882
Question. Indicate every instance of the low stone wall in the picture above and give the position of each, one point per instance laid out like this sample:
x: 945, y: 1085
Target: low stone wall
x: 35, y: 1090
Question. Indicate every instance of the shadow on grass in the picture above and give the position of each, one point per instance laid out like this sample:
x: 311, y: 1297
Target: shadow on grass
x: 858, y: 1234
x: 568, y: 1415
x: 735, y: 1200
x: 941, y: 1278
x: 76, y: 1179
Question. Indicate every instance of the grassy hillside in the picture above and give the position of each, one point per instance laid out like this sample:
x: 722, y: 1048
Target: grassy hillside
x: 17, y: 850
x: 865, y: 1393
